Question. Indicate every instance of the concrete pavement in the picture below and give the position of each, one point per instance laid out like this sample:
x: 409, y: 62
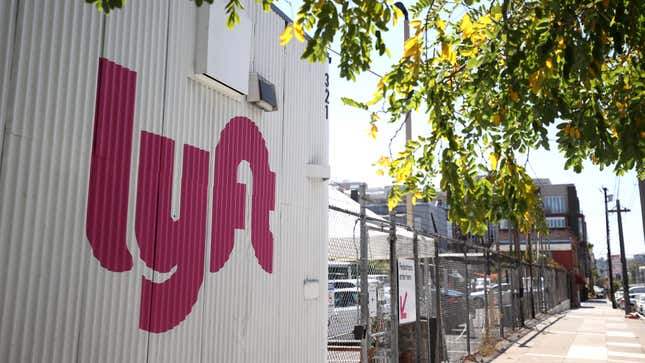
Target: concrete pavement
x: 593, y: 333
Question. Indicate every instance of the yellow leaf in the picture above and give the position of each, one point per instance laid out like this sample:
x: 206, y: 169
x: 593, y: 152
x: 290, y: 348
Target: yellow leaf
x: 298, y: 31
x: 286, y: 35
x: 404, y: 171
x: 414, y: 200
x: 496, y: 119
x: 514, y: 96
x: 416, y: 24
x: 477, y: 38
x: 380, y: 172
x: 469, y: 52
x: 373, y: 131
x: 396, y: 15
x: 484, y: 21
x: 527, y: 216
x: 377, y: 96
x: 493, y: 160
x: 411, y: 47
x: 535, y: 81
x: 603, y: 37
x: 614, y: 131
x: 441, y: 25
x: 383, y: 161
x: 621, y: 106
x: 549, y: 63
x: 374, y: 117
x: 391, y: 203
x: 466, y: 27
x: 447, y: 53
x: 561, y: 44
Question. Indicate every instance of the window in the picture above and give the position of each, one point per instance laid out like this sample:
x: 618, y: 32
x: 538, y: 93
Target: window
x: 556, y: 222
x: 344, y: 299
x: 343, y: 285
x: 553, y: 204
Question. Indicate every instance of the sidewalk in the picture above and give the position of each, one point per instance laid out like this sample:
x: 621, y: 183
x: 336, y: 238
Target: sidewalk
x: 593, y: 333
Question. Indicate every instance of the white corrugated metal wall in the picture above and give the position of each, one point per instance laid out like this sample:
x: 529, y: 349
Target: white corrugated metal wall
x: 58, y: 303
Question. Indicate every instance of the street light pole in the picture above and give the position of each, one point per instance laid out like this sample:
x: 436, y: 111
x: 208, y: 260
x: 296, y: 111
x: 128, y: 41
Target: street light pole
x: 623, y: 260
x: 408, y: 117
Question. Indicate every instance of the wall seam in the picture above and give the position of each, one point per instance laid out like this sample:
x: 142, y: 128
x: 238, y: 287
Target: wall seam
x: 161, y: 153
x: 11, y: 94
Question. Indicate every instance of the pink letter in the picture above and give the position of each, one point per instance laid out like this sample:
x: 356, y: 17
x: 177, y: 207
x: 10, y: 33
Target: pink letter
x: 107, y: 205
x: 166, y: 244
x: 241, y: 140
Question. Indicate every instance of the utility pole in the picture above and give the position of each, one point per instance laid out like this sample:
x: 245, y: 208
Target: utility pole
x: 529, y: 248
x: 409, y: 208
x: 623, y: 260
x: 364, y: 268
x: 611, y: 272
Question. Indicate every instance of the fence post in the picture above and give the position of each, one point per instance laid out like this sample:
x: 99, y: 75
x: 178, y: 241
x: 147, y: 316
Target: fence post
x: 364, y: 270
x: 439, y: 336
x: 529, y: 248
x: 428, y: 302
x: 486, y: 297
x: 500, y: 303
x: 394, y: 294
x: 467, y: 295
x: 417, y: 295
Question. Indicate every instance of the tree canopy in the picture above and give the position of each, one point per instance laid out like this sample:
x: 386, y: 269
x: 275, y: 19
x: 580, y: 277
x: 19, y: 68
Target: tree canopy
x: 490, y: 77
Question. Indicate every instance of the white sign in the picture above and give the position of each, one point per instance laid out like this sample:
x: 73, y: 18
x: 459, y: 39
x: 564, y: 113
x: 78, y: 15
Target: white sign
x: 407, y: 296
x: 372, y: 299
x: 330, y: 295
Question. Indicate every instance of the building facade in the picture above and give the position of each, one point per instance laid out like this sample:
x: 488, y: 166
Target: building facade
x: 162, y: 194
x: 566, y: 241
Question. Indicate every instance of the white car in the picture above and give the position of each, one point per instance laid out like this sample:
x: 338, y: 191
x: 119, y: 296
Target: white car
x: 633, y: 292
x: 477, y: 297
x: 345, y: 314
x: 640, y: 303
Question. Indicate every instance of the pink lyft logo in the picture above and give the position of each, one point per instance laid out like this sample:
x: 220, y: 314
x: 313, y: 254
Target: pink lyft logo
x: 166, y: 244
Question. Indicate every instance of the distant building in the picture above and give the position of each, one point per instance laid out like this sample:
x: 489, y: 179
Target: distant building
x: 566, y: 241
x: 639, y: 257
x: 429, y: 217
x: 616, y: 267
x: 603, y: 267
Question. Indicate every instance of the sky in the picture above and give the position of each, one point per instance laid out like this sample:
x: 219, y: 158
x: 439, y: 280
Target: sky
x: 353, y: 152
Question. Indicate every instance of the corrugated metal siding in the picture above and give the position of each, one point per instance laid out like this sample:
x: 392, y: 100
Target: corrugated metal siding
x: 8, y: 17
x: 59, y: 303
x: 42, y: 180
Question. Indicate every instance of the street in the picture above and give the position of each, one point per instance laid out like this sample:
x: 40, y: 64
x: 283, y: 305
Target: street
x: 595, y: 332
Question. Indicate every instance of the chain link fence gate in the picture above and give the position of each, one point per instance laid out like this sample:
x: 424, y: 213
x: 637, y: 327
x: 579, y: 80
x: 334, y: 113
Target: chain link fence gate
x: 396, y: 295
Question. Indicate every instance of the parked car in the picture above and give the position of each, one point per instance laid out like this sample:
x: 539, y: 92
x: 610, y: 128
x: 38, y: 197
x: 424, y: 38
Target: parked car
x: 345, y: 314
x: 598, y: 292
x: 640, y: 303
x: 477, y: 297
x: 633, y: 292
x: 349, y: 283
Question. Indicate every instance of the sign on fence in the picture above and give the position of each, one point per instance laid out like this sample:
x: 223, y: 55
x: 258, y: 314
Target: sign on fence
x: 407, y: 296
x: 373, y: 302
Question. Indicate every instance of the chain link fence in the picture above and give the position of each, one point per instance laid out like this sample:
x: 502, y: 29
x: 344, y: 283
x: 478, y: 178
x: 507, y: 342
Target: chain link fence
x: 395, y: 295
